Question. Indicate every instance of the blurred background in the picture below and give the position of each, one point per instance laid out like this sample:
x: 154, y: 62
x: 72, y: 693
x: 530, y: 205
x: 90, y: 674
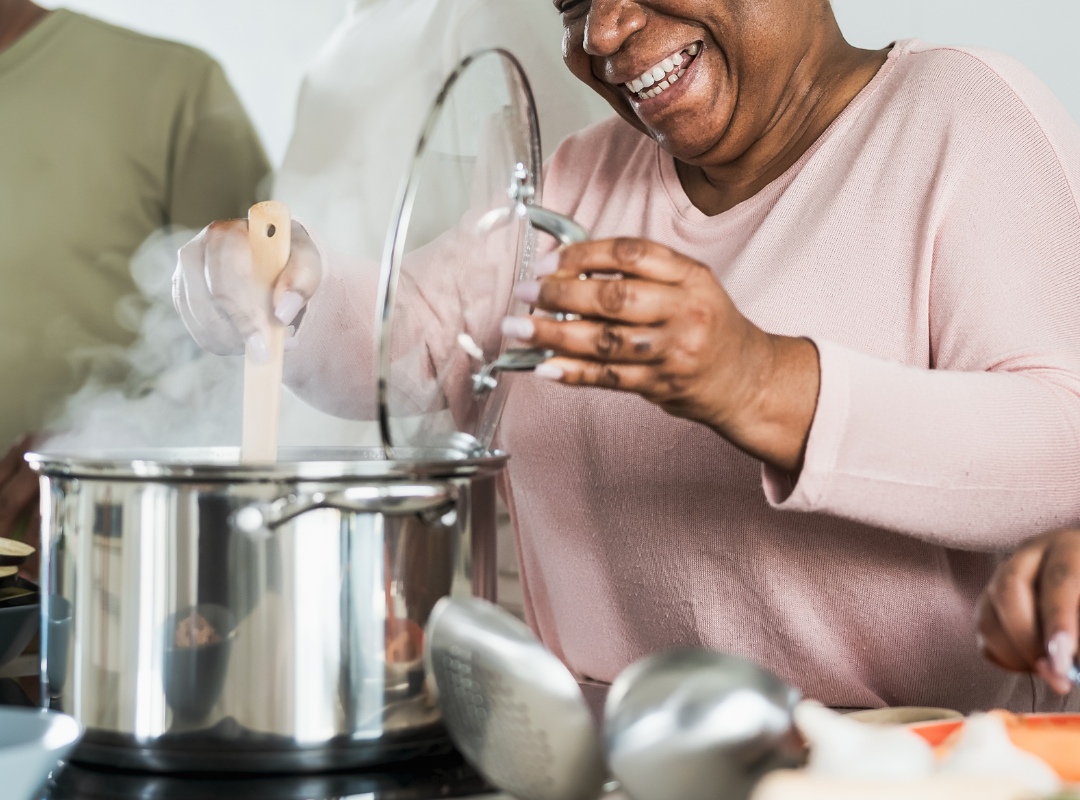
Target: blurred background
x: 264, y: 45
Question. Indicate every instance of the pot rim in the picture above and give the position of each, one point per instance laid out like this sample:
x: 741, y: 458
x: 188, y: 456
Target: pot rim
x: 215, y: 464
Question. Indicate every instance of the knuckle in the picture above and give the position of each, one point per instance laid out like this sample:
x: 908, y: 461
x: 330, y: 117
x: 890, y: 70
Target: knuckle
x: 613, y: 296
x: 672, y: 385
x: 603, y: 375
x: 1008, y: 589
x: 625, y: 250
x: 692, y: 346
x: 554, y: 293
x: 699, y: 314
x: 1055, y: 574
x: 553, y: 335
x: 609, y: 341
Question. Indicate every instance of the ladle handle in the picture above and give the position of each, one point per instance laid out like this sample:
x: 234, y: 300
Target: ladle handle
x: 270, y: 236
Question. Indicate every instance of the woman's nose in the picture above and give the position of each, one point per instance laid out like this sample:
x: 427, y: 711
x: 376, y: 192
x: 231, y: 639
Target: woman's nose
x: 610, y: 23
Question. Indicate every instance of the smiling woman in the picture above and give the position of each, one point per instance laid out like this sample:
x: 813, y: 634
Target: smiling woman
x: 838, y: 282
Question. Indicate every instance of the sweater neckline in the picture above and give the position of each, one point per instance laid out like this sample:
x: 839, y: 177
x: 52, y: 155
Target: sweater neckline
x: 684, y: 207
x: 34, y: 39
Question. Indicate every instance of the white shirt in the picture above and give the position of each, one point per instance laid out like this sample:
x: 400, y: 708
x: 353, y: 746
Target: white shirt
x: 369, y: 90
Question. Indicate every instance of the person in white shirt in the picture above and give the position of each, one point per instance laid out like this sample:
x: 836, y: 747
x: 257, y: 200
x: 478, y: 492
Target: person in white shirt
x: 365, y: 97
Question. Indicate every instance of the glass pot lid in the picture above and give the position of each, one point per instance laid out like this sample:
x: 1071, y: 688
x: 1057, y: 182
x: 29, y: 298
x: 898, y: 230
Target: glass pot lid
x: 463, y: 237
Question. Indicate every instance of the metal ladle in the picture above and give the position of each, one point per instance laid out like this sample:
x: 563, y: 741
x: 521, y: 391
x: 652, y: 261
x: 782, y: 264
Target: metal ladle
x: 698, y: 725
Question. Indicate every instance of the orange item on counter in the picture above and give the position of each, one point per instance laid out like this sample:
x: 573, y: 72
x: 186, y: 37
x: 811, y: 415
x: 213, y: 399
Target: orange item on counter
x: 1055, y: 738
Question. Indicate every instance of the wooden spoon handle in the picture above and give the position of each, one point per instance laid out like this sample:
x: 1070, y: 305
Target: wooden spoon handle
x: 270, y: 235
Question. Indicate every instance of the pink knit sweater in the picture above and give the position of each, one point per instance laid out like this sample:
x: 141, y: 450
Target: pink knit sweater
x: 929, y: 244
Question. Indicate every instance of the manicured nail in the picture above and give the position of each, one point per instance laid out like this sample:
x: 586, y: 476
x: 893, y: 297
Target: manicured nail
x: 548, y: 265
x: 527, y: 291
x: 1045, y: 671
x: 518, y: 327
x: 549, y: 371
x: 291, y: 343
x: 258, y: 348
x: 1061, y: 653
x: 289, y: 307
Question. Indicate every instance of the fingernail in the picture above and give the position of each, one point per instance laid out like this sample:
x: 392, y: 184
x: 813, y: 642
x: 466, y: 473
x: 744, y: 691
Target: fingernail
x: 1061, y: 653
x: 518, y: 327
x: 258, y: 348
x: 549, y: 371
x: 1053, y: 680
x: 289, y: 307
x: 291, y: 343
x: 548, y: 265
x: 527, y: 291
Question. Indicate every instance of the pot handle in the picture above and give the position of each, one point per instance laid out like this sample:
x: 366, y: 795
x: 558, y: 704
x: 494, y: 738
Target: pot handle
x: 392, y: 499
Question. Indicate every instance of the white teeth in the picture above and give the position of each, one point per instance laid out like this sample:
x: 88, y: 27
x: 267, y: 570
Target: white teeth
x: 658, y: 77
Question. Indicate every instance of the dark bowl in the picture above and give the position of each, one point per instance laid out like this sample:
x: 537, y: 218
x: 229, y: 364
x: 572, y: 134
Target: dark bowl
x: 18, y: 626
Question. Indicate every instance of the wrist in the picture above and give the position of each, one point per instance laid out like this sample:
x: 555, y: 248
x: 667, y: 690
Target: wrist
x: 772, y: 411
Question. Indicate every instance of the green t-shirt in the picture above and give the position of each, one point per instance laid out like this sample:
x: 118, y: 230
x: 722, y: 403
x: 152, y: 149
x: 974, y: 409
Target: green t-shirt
x: 106, y: 136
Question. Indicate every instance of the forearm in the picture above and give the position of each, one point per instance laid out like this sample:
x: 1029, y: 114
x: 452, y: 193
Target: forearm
x: 333, y: 366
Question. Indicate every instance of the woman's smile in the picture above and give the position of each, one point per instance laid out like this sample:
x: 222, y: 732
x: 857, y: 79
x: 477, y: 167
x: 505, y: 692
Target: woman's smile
x: 654, y: 81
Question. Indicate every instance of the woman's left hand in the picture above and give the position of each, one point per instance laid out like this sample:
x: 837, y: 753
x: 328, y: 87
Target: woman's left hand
x: 1029, y: 615
x: 668, y: 331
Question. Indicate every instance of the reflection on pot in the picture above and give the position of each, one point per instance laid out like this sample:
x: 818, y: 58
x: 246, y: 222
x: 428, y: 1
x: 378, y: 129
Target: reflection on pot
x: 58, y: 638
x: 198, y: 642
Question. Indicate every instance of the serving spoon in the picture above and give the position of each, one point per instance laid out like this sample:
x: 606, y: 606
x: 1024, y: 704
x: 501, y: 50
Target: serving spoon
x: 694, y: 724
x: 511, y: 707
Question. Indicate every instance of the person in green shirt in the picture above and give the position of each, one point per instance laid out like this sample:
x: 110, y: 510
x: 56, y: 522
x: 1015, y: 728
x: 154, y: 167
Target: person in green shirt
x: 106, y: 136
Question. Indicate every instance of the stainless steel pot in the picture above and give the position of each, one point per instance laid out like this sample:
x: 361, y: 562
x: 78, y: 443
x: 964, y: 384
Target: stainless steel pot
x: 202, y: 615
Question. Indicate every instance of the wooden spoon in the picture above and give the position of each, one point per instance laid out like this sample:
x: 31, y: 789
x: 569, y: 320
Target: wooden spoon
x: 270, y: 235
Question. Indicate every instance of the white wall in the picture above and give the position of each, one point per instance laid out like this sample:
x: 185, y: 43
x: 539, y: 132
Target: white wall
x: 265, y: 44
x: 1040, y: 33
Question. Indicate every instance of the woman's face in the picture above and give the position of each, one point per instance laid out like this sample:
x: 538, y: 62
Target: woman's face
x: 726, y: 65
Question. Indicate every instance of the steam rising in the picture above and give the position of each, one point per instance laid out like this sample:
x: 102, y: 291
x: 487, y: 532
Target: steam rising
x: 164, y: 391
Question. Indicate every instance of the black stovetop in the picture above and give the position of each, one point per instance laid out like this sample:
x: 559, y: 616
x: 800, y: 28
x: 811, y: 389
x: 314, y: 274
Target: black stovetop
x: 427, y: 778
x: 433, y: 777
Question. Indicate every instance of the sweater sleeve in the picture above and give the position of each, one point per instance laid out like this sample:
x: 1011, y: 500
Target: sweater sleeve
x: 980, y: 448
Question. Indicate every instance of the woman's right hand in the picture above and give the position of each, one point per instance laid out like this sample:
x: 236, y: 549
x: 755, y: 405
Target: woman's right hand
x: 220, y: 302
x: 1029, y: 614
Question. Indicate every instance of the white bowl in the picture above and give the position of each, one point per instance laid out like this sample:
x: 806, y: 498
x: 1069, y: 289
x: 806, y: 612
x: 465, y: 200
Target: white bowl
x: 32, y: 744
